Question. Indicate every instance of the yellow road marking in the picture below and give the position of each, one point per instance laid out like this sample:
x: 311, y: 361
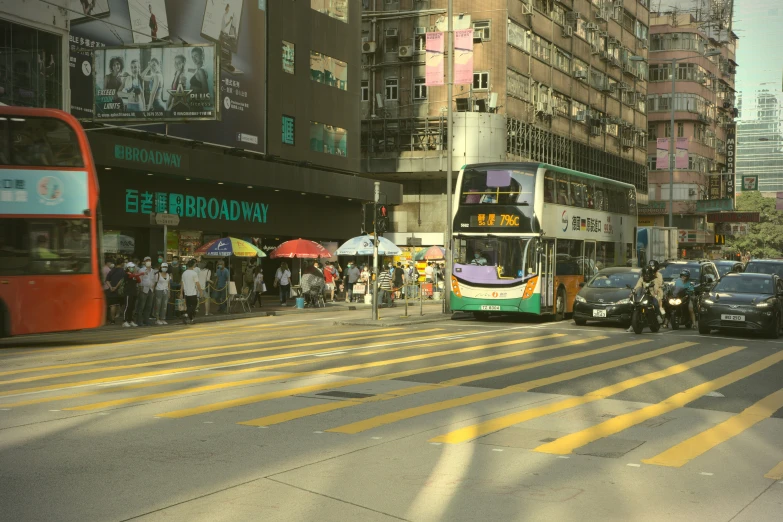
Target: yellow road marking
x: 191, y: 350
x: 484, y: 428
x: 207, y: 356
x: 567, y: 444
x: 300, y: 359
x: 684, y: 452
x: 307, y: 389
x: 389, y: 418
x: 314, y: 410
x: 775, y: 473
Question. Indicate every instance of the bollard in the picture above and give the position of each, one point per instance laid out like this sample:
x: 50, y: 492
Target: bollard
x: 421, y: 298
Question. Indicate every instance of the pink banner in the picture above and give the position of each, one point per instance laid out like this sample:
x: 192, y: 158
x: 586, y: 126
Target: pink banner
x: 463, y: 56
x: 662, y: 154
x: 434, y: 67
x: 681, y: 156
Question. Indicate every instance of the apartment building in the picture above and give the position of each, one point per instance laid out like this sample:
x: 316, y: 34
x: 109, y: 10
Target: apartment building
x: 704, y: 105
x: 563, y: 82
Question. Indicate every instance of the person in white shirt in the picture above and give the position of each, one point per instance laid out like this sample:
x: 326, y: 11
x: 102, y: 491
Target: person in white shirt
x: 283, y: 281
x: 204, y: 278
x: 428, y: 272
x: 190, y: 289
x: 146, y: 294
x: 161, y: 284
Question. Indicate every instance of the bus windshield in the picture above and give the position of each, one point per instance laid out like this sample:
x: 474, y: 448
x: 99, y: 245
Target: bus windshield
x: 38, y: 142
x: 513, y: 257
x: 497, y: 187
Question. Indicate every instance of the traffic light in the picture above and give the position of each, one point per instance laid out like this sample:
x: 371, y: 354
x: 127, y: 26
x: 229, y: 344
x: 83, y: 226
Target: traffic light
x: 382, y: 219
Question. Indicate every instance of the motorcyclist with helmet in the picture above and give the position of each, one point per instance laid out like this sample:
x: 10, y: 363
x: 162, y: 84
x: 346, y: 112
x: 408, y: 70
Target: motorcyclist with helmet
x: 650, y: 274
x: 685, y: 282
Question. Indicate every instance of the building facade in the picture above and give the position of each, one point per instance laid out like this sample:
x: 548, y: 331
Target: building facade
x: 557, y: 82
x: 704, y: 105
x: 760, y: 140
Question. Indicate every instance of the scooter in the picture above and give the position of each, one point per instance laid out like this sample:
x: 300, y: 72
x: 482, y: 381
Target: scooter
x: 644, y: 310
x: 676, y: 307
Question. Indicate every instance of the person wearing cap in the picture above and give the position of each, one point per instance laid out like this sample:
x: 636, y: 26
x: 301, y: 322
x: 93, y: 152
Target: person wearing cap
x: 190, y: 290
x: 162, y: 285
x: 129, y: 292
x: 146, y: 293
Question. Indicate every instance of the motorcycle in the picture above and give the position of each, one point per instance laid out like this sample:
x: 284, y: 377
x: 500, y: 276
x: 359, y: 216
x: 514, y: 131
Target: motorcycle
x: 676, y: 306
x: 644, y: 309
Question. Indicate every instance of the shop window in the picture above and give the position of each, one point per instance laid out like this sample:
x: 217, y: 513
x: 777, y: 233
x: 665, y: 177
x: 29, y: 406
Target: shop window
x: 289, y: 55
x: 30, y: 67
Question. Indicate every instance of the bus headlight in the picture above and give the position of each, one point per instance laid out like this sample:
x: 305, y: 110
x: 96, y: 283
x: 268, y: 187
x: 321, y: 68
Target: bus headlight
x: 530, y: 287
x: 455, y: 287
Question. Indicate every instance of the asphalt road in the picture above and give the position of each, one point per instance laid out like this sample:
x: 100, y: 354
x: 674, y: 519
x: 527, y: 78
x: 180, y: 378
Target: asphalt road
x: 293, y: 418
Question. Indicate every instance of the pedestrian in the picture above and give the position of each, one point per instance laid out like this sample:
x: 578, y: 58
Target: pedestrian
x: 223, y: 277
x: 330, y: 278
x: 398, y: 278
x: 176, y: 279
x: 162, y: 285
x: 105, y: 272
x: 114, y: 279
x: 351, y: 277
x: 412, y: 279
x: 429, y: 273
x: 146, y: 294
x: 190, y: 289
x: 385, y: 288
x: 283, y: 282
x: 129, y: 291
x: 258, y: 286
x: 249, y: 277
x: 205, y: 280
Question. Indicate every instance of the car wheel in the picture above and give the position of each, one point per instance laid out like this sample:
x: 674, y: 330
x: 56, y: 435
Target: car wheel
x: 704, y: 329
x: 560, y: 305
x: 580, y: 322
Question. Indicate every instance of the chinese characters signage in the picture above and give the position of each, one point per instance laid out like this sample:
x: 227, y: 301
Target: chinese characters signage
x: 43, y: 192
x: 289, y: 55
x: 731, y: 149
x: 146, y: 202
x: 288, y: 130
x: 435, y: 59
x: 494, y: 220
x: 580, y: 224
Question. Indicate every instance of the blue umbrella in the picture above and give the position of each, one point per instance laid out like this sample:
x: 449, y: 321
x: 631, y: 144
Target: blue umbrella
x: 363, y: 246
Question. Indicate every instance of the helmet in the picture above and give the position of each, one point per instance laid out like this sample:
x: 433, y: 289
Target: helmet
x: 648, y: 274
x: 686, y: 274
x: 654, y: 265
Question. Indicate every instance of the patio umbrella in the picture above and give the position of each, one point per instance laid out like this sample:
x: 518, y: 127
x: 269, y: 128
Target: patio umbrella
x: 229, y: 246
x: 434, y: 253
x: 363, y: 246
x: 301, y: 248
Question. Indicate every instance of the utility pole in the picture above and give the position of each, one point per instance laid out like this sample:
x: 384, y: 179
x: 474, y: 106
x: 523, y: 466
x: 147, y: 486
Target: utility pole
x: 447, y: 240
x: 375, y: 252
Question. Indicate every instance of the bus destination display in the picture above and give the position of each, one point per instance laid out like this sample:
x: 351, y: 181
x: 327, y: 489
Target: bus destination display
x: 494, y: 220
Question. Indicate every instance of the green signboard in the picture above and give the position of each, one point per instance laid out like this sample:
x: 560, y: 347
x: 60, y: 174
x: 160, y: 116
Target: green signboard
x: 750, y: 183
x: 715, y: 205
x: 288, y: 130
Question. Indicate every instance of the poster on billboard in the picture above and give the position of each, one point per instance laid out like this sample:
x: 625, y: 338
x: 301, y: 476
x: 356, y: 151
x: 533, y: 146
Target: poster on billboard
x: 86, y: 10
x: 149, y: 21
x: 161, y: 83
x: 240, y: 81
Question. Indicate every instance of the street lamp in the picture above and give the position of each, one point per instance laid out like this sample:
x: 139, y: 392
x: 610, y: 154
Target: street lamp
x: 713, y: 52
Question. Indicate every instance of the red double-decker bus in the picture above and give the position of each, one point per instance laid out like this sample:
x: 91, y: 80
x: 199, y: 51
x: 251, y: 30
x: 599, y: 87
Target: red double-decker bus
x: 50, y: 258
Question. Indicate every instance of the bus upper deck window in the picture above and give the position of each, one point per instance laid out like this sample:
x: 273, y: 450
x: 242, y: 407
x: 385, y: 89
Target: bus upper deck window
x: 549, y: 188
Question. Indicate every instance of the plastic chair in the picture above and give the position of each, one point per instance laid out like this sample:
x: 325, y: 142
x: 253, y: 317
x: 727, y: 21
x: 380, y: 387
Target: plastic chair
x: 242, y: 299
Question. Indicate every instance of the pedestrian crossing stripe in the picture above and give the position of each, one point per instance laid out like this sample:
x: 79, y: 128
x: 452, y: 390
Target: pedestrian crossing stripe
x: 381, y: 420
x: 565, y: 445
x: 775, y: 473
x: 358, y: 380
x: 405, y: 392
x: 684, y: 452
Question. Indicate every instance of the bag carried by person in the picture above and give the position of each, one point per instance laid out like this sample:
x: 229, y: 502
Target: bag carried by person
x: 179, y: 305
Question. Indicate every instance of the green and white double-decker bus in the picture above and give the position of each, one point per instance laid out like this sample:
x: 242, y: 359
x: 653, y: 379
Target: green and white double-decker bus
x: 527, y: 234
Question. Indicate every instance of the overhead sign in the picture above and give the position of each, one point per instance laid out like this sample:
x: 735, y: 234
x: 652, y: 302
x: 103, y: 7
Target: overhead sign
x: 714, y: 205
x: 171, y: 220
x: 733, y: 217
x: 171, y: 83
x: 750, y: 183
x: 145, y: 202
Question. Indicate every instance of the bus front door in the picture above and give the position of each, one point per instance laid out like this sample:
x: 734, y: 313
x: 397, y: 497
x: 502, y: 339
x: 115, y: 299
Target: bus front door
x: 547, y: 275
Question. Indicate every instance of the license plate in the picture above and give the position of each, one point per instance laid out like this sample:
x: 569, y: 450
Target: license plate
x: 491, y: 308
x: 599, y: 313
x: 729, y: 317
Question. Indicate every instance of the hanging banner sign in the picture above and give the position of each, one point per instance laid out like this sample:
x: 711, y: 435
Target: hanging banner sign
x: 681, y: 155
x: 463, y: 56
x: 731, y: 150
x: 662, y: 154
x: 435, y: 59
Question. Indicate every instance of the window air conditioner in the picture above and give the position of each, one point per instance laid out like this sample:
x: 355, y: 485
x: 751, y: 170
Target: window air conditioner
x: 391, y: 33
x: 404, y: 51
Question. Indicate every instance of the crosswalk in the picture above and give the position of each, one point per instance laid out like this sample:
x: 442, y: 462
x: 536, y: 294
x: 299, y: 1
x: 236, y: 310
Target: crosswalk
x: 447, y: 386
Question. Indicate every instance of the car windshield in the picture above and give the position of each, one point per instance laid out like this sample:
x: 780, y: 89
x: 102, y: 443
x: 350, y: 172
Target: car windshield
x: 724, y: 268
x: 746, y: 285
x: 765, y: 268
x: 672, y: 272
x: 616, y: 280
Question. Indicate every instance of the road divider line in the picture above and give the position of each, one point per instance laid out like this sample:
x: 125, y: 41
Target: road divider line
x: 687, y: 450
x: 389, y: 418
x: 197, y: 350
x: 565, y: 445
x: 490, y: 426
x: 298, y: 357
x: 340, y: 384
x: 775, y: 473
x: 405, y: 392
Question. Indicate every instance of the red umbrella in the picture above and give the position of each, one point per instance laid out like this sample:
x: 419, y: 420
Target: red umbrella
x: 435, y: 252
x: 302, y: 248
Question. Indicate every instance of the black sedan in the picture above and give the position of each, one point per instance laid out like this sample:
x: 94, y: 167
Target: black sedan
x: 752, y: 302
x: 606, y: 297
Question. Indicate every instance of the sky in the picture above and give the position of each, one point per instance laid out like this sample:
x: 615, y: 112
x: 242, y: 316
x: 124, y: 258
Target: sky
x: 759, y: 26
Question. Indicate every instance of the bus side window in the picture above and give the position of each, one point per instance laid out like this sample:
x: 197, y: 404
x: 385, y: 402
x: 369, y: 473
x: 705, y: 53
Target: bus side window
x: 562, y: 189
x: 577, y: 192
x: 549, y: 188
x: 600, y: 202
x: 590, y: 194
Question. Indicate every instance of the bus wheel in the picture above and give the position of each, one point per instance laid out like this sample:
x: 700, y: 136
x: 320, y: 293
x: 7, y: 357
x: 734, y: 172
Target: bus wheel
x: 560, y: 305
x: 481, y: 316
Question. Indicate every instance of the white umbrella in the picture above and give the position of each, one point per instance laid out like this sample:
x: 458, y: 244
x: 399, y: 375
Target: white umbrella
x: 363, y: 246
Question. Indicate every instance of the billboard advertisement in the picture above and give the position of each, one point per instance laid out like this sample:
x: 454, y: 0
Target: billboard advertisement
x: 463, y: 56
x: 85, y: 10
x: 159, y: 83
x: 236, y: 29
x: 435, y: 59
